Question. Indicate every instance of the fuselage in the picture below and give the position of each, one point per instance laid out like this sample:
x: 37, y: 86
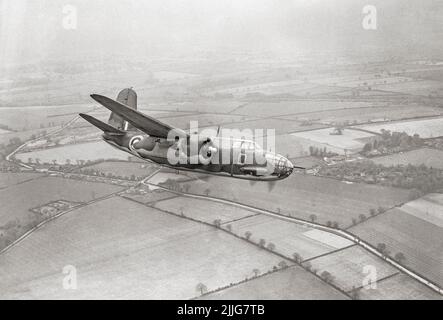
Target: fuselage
x: 237, y: 158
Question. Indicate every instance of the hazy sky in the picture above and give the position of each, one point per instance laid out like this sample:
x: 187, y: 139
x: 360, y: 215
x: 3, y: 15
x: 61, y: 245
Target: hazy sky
x: 33, y: 29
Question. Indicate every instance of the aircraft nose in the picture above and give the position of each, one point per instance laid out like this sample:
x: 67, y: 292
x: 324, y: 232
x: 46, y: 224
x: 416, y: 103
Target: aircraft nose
x: 282, y: 166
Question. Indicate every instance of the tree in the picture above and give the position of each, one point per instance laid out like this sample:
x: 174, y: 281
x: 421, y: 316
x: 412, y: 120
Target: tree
x: 381, y: 247
x: 372, y: 212
x: 54, y: 162
x: 282, y: 264
x: 313, y: 217
x: 329, y: 224
x: 362, y: 217
x: 399, y: 257
x: 335, y: 225
x: 262, y: 242
x: 256, y: 272
x: 381, y: 210
x: 248, y: 235
x: 217, y: 223
x: 201, y: 288
x: 207, y: 192
x: 297, y: 258
x: 271, y: 246
x: 327, y: 276
x: 354, y: 293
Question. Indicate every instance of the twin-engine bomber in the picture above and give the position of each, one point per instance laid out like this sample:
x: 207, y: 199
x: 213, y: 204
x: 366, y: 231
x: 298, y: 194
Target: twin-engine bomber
x: 151, y: 140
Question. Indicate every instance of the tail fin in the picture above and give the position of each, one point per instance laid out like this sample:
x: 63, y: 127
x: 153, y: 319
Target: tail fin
x: 101, y: 125
x: 127, y: 97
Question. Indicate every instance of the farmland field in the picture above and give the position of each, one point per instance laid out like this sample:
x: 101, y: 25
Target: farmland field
x: 347, y: 267
x: 419, y: 240
x: 273, y: 109
x: 427, y: 156
x: 124, y: 168
x: 203, y: 210
x: 427, y: 128
x: 122, y: 249
x: 84, y: 151
x: 399, y: 287
x: 299, y: 195
x: 16, y: 200
x: 350, y: 140
x: 8, y: 179
x: 421, y: 87
x: 288, y: 237
x: 292, y: 283
x: 362, y: 115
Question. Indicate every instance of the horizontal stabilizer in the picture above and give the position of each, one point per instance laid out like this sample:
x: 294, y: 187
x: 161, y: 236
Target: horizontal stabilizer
x: 139, y: 120
x: 101, y: 125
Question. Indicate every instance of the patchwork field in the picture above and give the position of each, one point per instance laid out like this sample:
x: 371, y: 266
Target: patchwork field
x: 363, y: 115
x: 273, y: 109
x: 8, y: 179
x: 415, y: 230
x: 84, y: 151
x: 427, y: 128
x: 289, y: 238
x: 347, y: 267
x: 203, y: 210
x: 427, y: 156
x: 16, y: 200
x: 292, y: 283
x: 399, y: 287
x: 123, y: 168
x: 125, y: 250
x: 298, y: 195
x: 348, y: 141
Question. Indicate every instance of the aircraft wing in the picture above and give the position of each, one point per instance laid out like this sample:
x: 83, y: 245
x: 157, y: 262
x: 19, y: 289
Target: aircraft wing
x: 139, y: 120
x: 101, y: 125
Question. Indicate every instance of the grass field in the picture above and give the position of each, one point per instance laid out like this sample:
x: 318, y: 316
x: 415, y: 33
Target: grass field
x: 299, y: 195
x: 347, y: 267
x: 8, y: 179
x: 273, y: 109
x: 428, y: 208
x: 421, y: 87
x: 399, y: 287
x: 420, y: 241
x: 292, y: 283
x: 16, y: 200
x: 350, y: 140
x: 122, y: 249
x: 84, y: 151
x: 289, y: 238
x: 363, y: 115
x: 427, y: 128
x: 428, y: 157
x: 123, y: 168
x: 203, y: 210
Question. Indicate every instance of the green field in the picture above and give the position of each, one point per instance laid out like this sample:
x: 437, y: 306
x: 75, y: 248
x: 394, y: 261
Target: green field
x: 124, y: 250
x: 292, y: 283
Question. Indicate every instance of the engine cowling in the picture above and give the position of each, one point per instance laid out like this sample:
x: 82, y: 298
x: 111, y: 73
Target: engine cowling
x: 207, y: 152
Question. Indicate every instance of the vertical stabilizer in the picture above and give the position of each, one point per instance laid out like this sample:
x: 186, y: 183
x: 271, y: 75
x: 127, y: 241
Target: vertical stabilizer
x: 127, y: 97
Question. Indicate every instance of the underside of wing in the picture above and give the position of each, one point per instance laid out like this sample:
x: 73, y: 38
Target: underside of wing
x: 101, y: 125
x: 139, y: 120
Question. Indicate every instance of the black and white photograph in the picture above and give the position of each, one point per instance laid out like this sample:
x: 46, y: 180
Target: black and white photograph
x: 222, y: 150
